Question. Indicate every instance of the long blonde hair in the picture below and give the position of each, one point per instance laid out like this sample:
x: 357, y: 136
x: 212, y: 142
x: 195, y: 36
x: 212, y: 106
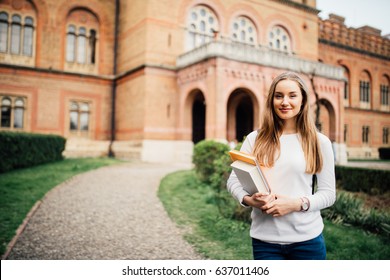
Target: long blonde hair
x: 267, y: 144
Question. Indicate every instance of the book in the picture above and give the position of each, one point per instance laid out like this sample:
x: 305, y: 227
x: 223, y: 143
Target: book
x: 249, y: 172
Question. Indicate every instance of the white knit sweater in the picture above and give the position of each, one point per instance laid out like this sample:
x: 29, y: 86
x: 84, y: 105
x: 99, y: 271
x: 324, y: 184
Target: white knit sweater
x: 288, y: 177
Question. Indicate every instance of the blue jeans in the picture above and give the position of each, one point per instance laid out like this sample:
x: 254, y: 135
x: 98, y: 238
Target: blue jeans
x: 313, y: 249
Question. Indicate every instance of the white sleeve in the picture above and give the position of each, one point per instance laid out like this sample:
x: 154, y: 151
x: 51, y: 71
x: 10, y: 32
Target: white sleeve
x: 233, y: 185
x: 326, y: 191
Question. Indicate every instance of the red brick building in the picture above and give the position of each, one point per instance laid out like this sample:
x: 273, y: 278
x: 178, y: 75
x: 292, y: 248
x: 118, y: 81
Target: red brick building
x: 148, y: 79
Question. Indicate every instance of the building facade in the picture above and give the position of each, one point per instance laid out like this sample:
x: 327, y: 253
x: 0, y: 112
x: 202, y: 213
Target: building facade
x: 147, y: 79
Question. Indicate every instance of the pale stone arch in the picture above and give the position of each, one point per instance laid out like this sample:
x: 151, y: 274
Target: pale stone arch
x: 242, y: 111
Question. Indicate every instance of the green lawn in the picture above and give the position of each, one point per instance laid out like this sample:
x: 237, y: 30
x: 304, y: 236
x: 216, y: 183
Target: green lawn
x: 21, y: 189
x: 190, y: 204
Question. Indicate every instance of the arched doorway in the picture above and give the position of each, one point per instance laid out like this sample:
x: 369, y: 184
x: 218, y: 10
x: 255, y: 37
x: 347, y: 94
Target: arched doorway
x: 244, y: 118
x: 198, y: 118
x: 241, y: 110
x: 327, y: 119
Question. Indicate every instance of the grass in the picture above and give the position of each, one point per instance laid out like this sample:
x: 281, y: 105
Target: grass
x: 190, y: 204
x: 21, y: 189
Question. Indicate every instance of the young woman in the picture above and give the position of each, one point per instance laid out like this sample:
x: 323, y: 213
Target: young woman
x: 287, y: 223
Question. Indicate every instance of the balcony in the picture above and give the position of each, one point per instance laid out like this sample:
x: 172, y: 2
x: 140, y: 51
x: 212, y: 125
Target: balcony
x: 258, y: 55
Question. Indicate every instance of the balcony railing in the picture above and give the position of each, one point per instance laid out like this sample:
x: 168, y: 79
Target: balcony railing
x: 259, y: 55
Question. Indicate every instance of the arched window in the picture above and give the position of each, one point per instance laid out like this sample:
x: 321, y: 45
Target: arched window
x: 385, y: 135
x: 3, y: 32
x: 28, y: 36
x: 19, y: 113
x: 202, y: 25
x: 92, y: 46
x: 279, y: 39
x: 6, y: 112
x: 81, y: 45
x: 384, y: 93
x: 364, y: 90
x: 244, y: 31
x: 71, y: 43
x: 81, y: 39
x: 346, y: 86
x: 12, y: 112
x: 365, y: 134
x: 15, y: 34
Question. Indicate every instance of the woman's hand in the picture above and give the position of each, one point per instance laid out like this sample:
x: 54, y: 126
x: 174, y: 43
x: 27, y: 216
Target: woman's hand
x: 258, y: 200
x: 282, y: 205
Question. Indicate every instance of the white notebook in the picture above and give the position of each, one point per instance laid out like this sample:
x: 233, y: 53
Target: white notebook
x: 249, y: 172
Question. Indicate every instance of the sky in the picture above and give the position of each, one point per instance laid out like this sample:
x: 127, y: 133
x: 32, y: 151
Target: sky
x: 357, y: 13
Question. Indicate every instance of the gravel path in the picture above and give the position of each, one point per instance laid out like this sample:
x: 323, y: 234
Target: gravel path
x: 109, y: 213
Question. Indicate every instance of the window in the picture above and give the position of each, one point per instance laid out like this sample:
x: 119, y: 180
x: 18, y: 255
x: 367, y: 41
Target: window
x: 365, y: 90
x: 279, y: 39
x: 79, y: 116
x: 3, y: 32
x: 384, y: 90
x: 6, y: 112
x: 244, y: 31
x: 385, y: 135
x: 19, y: 113
x: 202, y: 26
x: 365, y: 134
x: 16, y: 36
x: 28, y: 36
x: 345, y: 133
x: 384, y: 93
x: 346, y: 86
x: 71, y: 43
x: 80, y: 48
x: 12, y: 112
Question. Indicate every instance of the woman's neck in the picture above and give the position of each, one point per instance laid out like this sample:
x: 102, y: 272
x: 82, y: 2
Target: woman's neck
x: 289, y: 127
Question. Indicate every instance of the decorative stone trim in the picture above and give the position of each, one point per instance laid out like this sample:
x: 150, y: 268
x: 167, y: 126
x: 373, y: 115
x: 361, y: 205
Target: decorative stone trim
x: 260, y: 56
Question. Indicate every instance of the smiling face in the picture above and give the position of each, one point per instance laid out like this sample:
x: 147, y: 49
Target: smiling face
x: 287, y: 101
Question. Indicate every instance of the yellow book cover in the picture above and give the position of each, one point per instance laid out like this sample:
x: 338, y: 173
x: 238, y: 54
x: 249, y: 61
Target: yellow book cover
x: 249, y: 172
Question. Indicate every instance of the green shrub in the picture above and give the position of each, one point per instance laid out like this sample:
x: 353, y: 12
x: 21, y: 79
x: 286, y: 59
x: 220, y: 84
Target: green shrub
x: 18, y: 150
x: 349, y: 210
x: 371, y: 181
x: 205, y: 153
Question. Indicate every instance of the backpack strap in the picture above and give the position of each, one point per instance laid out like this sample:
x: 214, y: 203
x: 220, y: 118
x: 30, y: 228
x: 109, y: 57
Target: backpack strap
x: 313, y: 183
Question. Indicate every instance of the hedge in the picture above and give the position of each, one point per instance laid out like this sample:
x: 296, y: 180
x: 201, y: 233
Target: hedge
x: 18, y: 150
x: 371, y: 181
x: 205, y: 153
